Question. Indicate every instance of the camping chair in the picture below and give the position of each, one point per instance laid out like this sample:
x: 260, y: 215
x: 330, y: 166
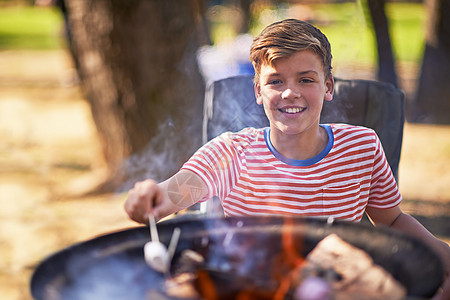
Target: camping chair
x: 230, y: 105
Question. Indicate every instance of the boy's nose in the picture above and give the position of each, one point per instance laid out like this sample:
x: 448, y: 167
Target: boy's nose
x: 290, y: 93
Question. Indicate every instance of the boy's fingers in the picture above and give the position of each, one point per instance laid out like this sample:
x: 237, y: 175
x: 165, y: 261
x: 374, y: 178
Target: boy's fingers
x: 141, y: 200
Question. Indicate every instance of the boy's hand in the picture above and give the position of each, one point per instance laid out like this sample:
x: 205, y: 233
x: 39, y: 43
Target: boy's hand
x: 142, y: 199
x: 182, y: 190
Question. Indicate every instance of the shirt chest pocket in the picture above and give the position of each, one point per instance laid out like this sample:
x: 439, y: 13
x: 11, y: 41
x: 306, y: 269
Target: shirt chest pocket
x: 343, y: 201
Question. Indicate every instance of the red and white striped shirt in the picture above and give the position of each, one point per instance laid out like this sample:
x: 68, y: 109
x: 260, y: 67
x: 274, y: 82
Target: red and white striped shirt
x: 251, y: 178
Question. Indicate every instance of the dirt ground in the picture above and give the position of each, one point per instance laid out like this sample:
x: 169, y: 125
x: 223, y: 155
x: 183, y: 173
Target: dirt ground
x: 49, y: 151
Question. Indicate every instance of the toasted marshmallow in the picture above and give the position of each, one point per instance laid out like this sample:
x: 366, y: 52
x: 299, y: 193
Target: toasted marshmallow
x: 157, y: 256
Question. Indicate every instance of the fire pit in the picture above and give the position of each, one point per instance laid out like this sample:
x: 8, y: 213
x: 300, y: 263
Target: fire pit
x: 240, y: 253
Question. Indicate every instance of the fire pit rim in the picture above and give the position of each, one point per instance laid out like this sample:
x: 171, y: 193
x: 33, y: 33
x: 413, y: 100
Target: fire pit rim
x: 132, y: 237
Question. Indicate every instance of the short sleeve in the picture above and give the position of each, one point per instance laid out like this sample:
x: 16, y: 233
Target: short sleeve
x: 384, y: 192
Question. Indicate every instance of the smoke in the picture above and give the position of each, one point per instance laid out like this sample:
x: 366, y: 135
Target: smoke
x: 158, y: 160
x: 163, y: 155
x: 230, y: 105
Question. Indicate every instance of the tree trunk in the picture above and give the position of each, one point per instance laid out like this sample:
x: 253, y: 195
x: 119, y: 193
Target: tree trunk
x: 244, y: 6
x: 432, y: 102
x: 386, y: 61
x: 137, y: 66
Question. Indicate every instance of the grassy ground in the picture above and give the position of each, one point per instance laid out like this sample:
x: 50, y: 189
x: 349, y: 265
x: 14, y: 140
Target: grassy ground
x: 28, y: 27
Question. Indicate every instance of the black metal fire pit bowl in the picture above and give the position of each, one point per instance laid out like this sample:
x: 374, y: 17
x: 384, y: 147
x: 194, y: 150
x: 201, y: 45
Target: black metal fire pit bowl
x: 112, y: 266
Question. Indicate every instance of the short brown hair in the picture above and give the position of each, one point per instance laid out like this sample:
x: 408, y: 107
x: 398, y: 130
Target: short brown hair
x: 284, y: 38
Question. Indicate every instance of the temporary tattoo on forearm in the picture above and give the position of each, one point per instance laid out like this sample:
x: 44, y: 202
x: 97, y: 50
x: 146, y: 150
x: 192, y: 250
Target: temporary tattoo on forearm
x: 185, y: 189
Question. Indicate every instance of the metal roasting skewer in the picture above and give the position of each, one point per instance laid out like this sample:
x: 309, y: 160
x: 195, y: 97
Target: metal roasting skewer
x: 173, y: 242
x: 153, y: 230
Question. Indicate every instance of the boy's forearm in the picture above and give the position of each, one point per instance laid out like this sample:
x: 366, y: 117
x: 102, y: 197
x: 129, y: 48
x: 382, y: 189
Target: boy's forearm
x: 411, y: 226
x: 180, y: 191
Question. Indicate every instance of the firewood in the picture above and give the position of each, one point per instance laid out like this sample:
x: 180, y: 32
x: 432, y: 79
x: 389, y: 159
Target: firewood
x: 359, y: 277
x: 189, y: 262
x: 182, y: 287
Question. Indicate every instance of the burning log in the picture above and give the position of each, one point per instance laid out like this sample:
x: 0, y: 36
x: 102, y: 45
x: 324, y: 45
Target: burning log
x: 358, y: 277
x: 182, y: 287
x: 189, y: 262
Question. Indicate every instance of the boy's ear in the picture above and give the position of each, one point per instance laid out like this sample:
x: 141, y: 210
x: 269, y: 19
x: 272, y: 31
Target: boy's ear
x: 329, y: 83
x: 258, y: 94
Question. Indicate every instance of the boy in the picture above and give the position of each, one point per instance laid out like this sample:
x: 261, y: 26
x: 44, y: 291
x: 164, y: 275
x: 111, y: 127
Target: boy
x: 296, y: 166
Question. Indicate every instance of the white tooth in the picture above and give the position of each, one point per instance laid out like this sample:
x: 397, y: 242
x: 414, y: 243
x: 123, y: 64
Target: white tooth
x: 293, y: 110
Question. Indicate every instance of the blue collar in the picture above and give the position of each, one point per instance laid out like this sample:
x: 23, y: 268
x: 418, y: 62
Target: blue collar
x: 297, y: 162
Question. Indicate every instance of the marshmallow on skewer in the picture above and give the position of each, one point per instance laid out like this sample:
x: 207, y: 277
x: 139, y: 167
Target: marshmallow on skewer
x: 155, y: 252
x: 156, y: 255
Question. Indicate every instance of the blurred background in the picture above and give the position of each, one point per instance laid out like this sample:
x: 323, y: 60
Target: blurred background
x: 97, y: 94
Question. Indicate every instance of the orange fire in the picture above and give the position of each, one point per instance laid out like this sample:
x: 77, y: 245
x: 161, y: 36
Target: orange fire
x: 206, y: 286
x: 291, y: 260
x: 285, y: 271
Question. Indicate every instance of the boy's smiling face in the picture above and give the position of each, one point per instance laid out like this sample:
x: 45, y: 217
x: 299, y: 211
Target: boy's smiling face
x: 292, y: 92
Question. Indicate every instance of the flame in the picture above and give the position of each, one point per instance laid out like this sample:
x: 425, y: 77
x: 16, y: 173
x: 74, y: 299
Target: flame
x: 285, y: 271
x: 291, y: 259
x: 206, y: 286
